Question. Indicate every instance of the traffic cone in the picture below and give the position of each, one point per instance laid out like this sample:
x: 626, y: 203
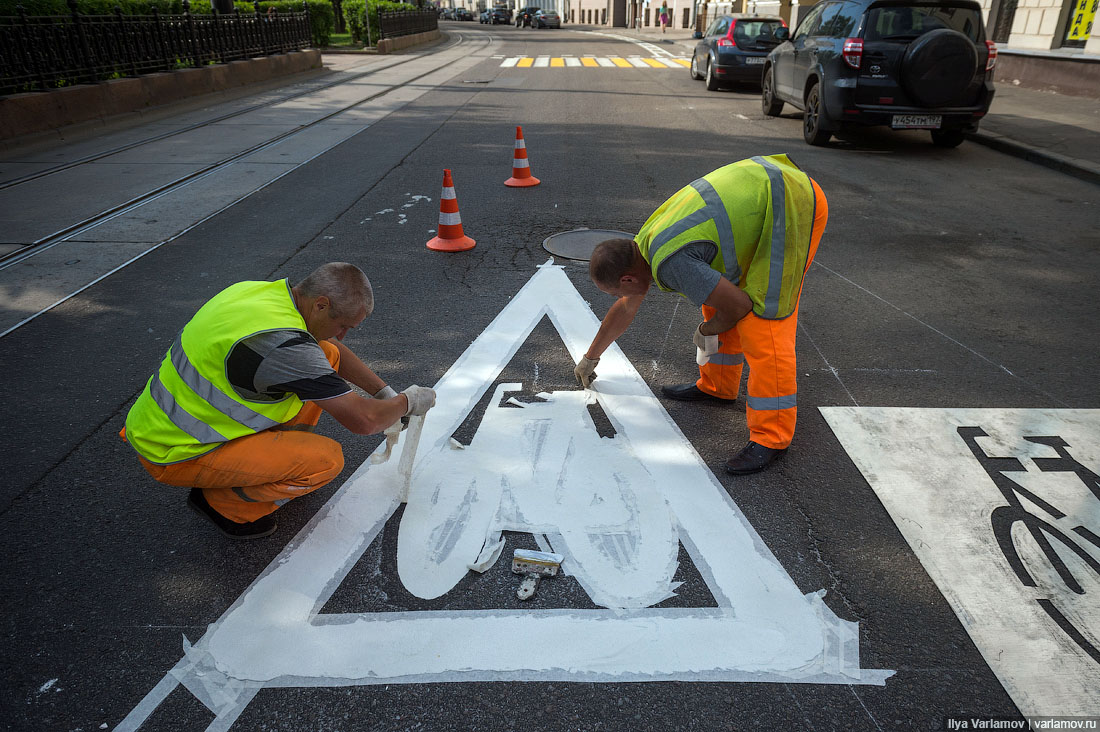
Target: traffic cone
x: 521, y: 170
x: 451, y: 238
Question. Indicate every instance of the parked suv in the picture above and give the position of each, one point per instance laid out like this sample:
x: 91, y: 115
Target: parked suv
x: 907, y: 64
x: 734, y: 48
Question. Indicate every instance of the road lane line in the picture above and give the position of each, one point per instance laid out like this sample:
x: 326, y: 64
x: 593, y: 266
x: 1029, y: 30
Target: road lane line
x: 637, y: 63
x: 622, y: 63
x: 525, y: 63
x: 557, y: 63
x: 510, y: 62
x: 655, y: 63
x: 571, y: 61
x: 542, y: 62
x: 590, y: 62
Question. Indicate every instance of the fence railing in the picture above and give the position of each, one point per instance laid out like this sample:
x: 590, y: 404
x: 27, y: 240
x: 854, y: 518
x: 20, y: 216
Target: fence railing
x: 407, y: 22
x: 47, y: 52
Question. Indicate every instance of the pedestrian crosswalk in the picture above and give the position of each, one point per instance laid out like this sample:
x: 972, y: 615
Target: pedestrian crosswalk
x: 593, y: 62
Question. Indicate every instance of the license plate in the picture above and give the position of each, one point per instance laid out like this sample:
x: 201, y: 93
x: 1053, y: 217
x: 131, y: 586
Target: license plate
x: 916, y: 121
x: 754, y: 60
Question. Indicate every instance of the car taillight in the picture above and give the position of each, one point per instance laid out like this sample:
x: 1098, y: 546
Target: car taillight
x: 992, y: 60
x: 853, y: 52
x: 727, y: 40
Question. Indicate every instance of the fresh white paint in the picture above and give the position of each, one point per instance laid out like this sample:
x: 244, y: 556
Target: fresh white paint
x: 929, y: 477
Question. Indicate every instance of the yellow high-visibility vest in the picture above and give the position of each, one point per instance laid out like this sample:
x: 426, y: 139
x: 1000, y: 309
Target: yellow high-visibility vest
x: 188, y: 407
x: 760, y: 213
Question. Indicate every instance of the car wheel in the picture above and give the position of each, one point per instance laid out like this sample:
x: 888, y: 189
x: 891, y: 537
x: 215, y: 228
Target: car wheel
x: 712, y: 83
x: 695, y: 68
x: 948, y: 138
x: 771, y: 105
x: 814, y: 122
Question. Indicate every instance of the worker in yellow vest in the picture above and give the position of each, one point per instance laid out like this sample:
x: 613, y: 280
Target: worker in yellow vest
x: 230, y: 411
x: 738, y: 243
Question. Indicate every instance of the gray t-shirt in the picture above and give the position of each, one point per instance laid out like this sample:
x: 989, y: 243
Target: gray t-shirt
x: 268, y: 366
x: 688, y: 271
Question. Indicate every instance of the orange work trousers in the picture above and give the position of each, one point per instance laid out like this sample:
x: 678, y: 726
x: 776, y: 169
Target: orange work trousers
x: 249, y: 477
x: 768, y: 347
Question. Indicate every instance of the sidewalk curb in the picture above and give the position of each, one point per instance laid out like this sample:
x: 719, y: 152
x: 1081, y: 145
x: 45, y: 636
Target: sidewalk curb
x: 1061, y: 163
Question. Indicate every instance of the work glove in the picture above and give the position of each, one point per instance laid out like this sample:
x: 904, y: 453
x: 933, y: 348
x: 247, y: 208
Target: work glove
x: 421, y: 399
x: 585, y: 370
x: 705, y: 346
x: 386, y: 392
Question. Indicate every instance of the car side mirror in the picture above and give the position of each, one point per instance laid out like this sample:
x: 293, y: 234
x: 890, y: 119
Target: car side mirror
x: 697, y: 34
x: 781, y: 33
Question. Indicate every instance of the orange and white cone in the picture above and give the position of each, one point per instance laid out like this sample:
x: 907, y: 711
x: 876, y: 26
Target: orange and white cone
x: 450, y: 237
x: 521, y: 169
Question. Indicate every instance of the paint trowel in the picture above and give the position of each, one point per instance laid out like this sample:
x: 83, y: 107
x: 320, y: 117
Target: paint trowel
x: 534, y: 566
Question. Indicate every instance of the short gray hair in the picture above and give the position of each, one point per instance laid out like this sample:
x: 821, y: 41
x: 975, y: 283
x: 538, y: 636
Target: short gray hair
x: 344, y: 284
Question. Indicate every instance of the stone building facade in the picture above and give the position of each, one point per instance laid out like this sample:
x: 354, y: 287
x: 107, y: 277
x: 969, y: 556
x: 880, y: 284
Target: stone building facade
x: 1039, y: 25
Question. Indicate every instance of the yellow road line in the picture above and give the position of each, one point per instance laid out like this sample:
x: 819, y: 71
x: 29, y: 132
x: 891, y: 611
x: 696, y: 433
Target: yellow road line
x: 683, y: 62
x: 654, y: 63
x: 555, y: 62
x: 622, y: 63
x: 525, y: 63
x: 589, y: 62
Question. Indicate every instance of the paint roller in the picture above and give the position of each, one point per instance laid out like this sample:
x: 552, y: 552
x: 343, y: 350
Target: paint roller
x: 533, y: 566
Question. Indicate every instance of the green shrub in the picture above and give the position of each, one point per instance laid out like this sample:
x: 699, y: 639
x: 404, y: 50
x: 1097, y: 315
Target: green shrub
x: 357, y: 24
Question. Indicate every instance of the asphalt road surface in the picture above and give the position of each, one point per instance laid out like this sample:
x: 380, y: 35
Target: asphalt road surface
x: 947, y: 279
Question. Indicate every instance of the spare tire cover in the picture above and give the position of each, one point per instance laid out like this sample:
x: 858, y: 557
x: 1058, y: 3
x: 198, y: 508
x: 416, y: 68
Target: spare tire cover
x: 938, y: 67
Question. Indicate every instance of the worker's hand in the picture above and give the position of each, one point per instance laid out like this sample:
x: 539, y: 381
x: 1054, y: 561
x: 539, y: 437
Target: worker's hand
x: 706, y: 346
x: 585, y: 370
x: 421, y: 399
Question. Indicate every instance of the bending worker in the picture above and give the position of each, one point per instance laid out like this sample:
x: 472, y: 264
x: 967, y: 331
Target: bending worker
x: 737, y: 242
x: 231, y: 410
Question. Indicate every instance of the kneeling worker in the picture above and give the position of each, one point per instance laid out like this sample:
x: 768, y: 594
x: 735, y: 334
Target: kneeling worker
x: 737, y: 242
x: 231, y: 410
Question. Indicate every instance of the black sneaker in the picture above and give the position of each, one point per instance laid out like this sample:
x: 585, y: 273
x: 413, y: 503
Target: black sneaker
x: 261, y: 527
x: 752, y: 458
x: 690, y: 393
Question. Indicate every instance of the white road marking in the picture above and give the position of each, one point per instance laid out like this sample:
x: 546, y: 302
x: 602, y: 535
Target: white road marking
x: 1002, y: 506
x: 763, y: 628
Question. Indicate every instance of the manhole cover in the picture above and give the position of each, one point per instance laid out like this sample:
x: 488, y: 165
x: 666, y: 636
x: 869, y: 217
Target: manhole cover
x: 579, y: 243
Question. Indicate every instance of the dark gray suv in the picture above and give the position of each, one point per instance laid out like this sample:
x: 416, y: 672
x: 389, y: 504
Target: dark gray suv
x: 899, y: 63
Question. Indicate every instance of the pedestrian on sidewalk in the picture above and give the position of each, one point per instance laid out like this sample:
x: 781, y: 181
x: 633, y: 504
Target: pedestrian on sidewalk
x: 664, y: 16
x: 738, y: 243
x: 231, y: 410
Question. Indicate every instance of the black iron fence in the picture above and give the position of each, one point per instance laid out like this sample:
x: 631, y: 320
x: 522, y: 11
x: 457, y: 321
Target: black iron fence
x: 407, y: 22
x: 46, y: 52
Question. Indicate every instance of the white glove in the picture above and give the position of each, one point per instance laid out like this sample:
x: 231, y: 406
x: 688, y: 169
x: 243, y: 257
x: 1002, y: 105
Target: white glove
x: 705, y: 345
x: 585, y: 370
x: 421, y: 399
x: 386, y: 392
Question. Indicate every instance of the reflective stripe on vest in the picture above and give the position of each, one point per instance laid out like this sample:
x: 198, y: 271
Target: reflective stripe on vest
x: 760, y: 214
x: 189, y: 407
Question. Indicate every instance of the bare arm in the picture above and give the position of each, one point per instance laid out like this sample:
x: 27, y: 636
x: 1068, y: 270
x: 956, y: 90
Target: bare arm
x: 353, y: 370
x: 365, y: 416
x: 359, y: 415
x: 732, y: 304
x: 618, y: 319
